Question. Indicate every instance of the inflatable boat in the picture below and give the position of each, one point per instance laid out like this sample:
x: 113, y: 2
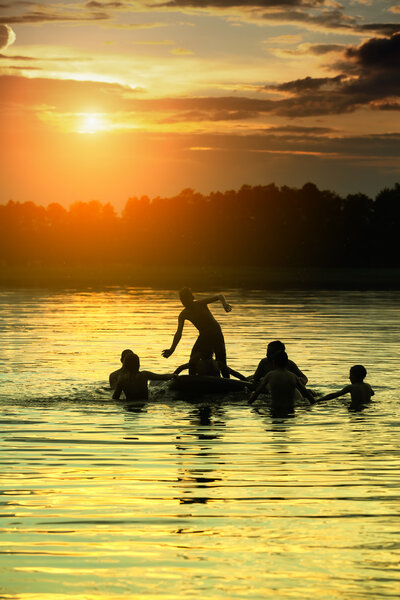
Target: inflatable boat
x: 205, y: 384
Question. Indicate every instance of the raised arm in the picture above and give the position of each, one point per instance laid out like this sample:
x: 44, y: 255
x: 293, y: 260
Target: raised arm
x: 181, y: 321
x: 263, y: 383
x: 217, y: 298
x: 343, y: 392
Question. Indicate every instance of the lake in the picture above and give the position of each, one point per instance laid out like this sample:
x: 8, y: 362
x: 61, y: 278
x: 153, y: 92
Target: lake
x: 183, y: 499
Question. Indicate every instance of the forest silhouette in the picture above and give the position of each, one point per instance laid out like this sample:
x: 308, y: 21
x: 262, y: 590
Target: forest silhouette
x: 263, y: 226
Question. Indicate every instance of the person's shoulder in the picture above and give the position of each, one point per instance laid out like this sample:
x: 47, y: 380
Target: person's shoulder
x: 292, y: 365
x: 113, y: 377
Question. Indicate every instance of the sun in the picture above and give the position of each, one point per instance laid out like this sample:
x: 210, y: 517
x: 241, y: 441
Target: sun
x: 91, y: 123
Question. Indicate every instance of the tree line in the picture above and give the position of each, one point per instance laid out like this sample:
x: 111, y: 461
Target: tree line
x: 255, y: 225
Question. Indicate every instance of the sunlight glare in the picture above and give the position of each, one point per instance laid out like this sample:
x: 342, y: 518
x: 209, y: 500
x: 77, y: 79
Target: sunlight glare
x: 91, y: 123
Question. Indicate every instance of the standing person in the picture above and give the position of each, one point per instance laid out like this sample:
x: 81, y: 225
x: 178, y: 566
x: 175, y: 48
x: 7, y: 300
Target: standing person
x: 210, y: 337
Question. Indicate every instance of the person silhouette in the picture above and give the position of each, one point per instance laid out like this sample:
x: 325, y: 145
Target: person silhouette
x: 210, y: 337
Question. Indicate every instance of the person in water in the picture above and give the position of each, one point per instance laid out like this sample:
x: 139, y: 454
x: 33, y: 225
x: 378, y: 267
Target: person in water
x: 359, y: 390
x: 210, y: 337
x: 284, y: 386
x: 113, y: 377
x: 134, y: 383
x: 267, y: 364
x: 204, y: 364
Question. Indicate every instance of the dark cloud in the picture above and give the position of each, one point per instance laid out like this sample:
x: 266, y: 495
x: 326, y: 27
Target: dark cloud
x: 104, y: 5
x: 368, y: 76
x: 16, y: 57
x: 296, y: 130
x: 264, y: 4
x: 308, y: 84
x: 46, y: 16
x: 212, y: 115
x: 388, y: 106
x: 63, y: 59
x: 319, y: 49
x: 382, y: 28
x: 377, y: 53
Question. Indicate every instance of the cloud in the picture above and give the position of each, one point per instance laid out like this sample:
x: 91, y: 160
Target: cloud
x: 251, y: 4
x: 213, y: 116
x: 366, y: 76
x: 369, y: 75
x: 7, y: 36
x: 389, y: 106
x: 45, y: 15
x: 104, y: 5
x: 319, y: 49
x: 181, y: 52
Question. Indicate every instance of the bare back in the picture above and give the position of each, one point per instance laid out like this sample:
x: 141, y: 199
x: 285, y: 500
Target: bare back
x: 282, y: 385
x: 134, y: 385
x: 200, y: 315
x: 360, y: 393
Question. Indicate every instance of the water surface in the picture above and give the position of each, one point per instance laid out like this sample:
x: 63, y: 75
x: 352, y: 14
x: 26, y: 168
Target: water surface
x: 181, y: 499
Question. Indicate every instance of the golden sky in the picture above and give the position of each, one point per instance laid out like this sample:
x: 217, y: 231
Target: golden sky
x: 108, y: 100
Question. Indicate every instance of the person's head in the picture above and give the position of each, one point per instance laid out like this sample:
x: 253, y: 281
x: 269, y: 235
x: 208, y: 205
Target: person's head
x: 274, y: 347
x: 357, y: 373
x: 186, y: 296
x: 125, y: 353
x: 280, y: 360
x: 131, y: 363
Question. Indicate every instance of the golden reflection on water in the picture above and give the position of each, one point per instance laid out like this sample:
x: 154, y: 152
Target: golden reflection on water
x: 175, y: 499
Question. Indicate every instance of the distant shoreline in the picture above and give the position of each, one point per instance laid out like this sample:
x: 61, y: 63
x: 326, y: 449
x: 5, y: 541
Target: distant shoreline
x: 123, y: 275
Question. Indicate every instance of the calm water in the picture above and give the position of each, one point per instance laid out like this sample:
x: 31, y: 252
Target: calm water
x: 176, y: 499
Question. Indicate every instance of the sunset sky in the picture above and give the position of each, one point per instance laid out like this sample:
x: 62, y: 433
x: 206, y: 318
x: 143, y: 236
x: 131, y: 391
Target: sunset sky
x: 107, y: 100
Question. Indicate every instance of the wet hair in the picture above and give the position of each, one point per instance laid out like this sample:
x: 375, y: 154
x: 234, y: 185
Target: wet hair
x: 131, y: 362
x: 125, y: 353
x: 359, y: 372
x: 280, y: 359
x: 186, y: 296
x: 274, y: 347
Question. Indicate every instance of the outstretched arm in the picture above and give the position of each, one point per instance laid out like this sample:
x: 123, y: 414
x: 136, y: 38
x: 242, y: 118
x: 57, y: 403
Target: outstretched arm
x: 236, y: 374
x: 263, y: 383
x: 181, y: 321
x: 157, y: 376
x: 217, y: 298
x: 181, y: 368
x: 343, y: 392
x: 304, y: 391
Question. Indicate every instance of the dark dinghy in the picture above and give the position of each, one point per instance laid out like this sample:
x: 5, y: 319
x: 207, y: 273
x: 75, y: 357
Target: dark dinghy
x: 204, y: 384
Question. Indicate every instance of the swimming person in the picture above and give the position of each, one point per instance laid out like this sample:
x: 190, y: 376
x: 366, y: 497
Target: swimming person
x: 267, y: 364
x: 359, y: 390
x: 285, y: 387
x: 210, y: 334
x: 134, y: 383
x: 205, y: 364
x: 113, y: 377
